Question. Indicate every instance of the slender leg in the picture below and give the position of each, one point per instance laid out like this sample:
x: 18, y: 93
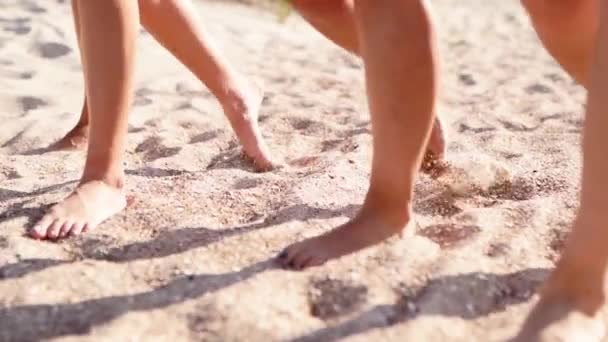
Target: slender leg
x: 568, y: 29
x: 335, y: 19
x: 108, y: 32
x: 397, y: 44
x: 77, y: 137
x: 574, y: 295
x: 175, y: 25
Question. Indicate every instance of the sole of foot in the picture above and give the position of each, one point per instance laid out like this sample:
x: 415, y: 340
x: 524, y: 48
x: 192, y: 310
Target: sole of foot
x: 90, y: 204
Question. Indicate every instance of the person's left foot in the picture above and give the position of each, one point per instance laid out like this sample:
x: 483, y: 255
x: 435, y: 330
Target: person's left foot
x: 75, y: 139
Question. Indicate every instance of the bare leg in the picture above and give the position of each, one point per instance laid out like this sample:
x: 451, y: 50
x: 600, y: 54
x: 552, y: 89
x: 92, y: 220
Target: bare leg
x: 571, y: 301
x: 397, y: 44
x: 336, y: 20
x: 174, y: 24
x: 77, y: 137
x: 108, y: 32
x: 568, y: 29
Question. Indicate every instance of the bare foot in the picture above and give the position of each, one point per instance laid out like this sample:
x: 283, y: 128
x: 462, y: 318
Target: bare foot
x: 435, y: 149
x: 90, y: 204
x: 75, y: 139
x: 557, y: 319
x: 363, y: 231
x: 242, y: 111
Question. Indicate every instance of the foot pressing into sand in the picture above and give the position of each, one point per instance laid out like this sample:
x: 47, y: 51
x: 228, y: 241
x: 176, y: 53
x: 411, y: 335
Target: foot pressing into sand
x: 90, y: 204
x: 242, y: 110
x: 435, y: 148
x: 574, y: 297
x: 367, y: 229
x: 76, y: 139
x: 559, y: 319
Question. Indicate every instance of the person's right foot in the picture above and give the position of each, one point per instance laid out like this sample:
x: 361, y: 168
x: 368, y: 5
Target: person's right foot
x: 557, y: 319
x: 242, y: 110
x: 90, y: 204
x: 368, y: 228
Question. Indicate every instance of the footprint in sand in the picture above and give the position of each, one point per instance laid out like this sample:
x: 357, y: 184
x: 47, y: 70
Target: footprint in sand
x: 449, y: 235
x: 204, y: 137
x: 467, y: 79
x: 464, y: 128
x: 141, y: 101
x: 133, y: 129
x: 441, y: 204
x: 27, y: 75
x: 538, y: 88
x: 301, y: 124
x: 52, y: 50
x: 18, y: 26
x: 333, y: 298
x: 29, y: 103
x: 247, y: 183
x: 343, y: 145
x: 152, y: 149
x: 33, y: 7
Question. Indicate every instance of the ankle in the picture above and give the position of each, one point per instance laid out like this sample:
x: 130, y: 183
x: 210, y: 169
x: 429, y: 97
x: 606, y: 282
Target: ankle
x: 117, y: 183
x: 114, y: 178
x: 574, y: 283
x: 390, y: 210
x: 81, y: 128
x: 234, y: 102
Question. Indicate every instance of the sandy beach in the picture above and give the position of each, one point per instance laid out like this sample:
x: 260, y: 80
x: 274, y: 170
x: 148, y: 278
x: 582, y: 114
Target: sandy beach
x: 191, y: 259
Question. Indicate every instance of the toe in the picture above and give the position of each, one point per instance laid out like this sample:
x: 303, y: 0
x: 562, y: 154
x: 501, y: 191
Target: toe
x: 298, y: 260
x: 54, y: 229
x: 265, y: 165
x: 40, y: 230
x: 86, y: 227
x: 286, y: 257
x: 306, y: 259
x: 65, y: 229
x: 77, y: 228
